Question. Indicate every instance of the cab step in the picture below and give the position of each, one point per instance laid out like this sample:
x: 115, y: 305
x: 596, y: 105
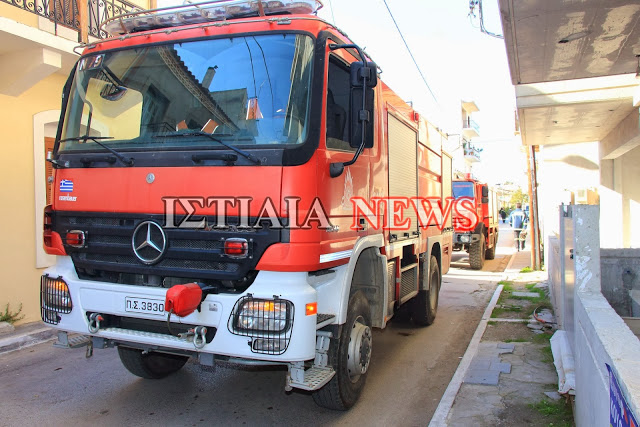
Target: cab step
x: 323, y: 320
x: 76, y: 341
x: 313, y: 378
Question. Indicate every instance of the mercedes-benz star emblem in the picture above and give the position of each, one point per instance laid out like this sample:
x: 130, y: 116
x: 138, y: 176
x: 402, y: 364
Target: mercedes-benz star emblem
x: 149, y: 242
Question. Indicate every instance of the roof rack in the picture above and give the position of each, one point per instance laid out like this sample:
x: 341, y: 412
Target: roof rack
x: 196, y: 13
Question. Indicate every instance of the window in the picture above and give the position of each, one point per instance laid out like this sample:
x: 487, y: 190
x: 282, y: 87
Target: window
x: 463, y: 189
x: 251, y: 90
x: 338, y: 97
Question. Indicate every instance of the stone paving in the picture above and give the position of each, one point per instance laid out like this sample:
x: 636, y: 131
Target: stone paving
x: 504, y: 379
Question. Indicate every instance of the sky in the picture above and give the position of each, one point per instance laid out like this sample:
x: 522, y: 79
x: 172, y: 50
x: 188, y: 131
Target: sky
x: 458, y: 62
x: 456, y: 59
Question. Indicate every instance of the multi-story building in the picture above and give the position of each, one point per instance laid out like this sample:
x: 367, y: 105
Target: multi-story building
x: 465, y: 154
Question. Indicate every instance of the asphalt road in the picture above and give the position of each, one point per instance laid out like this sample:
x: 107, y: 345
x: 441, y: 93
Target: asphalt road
x: 410, y: 369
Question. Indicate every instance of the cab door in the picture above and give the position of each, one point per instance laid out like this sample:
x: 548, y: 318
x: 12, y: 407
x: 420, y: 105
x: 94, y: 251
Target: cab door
x: 354, y: 181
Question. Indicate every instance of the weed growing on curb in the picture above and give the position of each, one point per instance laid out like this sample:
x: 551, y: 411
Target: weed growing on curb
x: 526, y: 270
x: 547, y: 354
x: 557, y: 413
x: 10, y: 317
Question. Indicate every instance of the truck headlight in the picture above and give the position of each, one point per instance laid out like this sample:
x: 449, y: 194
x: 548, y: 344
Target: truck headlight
x: 54, y: 294
x: 54, y: 298
x: 465, y: 238
x: 262, y: 315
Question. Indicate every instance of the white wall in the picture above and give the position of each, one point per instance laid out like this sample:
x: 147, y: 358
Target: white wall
x: 620, y: 201
x: 563, y: 169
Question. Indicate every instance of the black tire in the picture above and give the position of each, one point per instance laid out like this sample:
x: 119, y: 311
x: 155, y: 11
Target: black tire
x: 425, y: 304
x: 344, y: 389
x: 491, y: 253
x: 151, y: 366
x: 477, y: 254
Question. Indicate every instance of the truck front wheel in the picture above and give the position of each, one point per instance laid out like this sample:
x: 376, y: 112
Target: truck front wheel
x: 150, y: 365
x: 350, y: 356
x: 476, y: 254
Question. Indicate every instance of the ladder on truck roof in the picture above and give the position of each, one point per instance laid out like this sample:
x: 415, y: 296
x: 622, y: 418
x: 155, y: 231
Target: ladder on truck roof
x: 209, y: 11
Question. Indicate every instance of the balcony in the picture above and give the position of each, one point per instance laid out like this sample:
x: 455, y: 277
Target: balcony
x: 470, y: 129
x: 72, y: 19
x: 38, y: 37
x: 471, y: 154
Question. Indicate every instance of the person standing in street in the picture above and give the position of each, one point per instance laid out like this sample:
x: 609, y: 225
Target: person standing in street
x: 517, y: 220
x: 503, y: 215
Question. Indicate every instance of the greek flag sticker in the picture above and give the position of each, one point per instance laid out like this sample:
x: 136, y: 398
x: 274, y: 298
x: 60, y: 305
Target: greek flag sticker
x: 66, y: 186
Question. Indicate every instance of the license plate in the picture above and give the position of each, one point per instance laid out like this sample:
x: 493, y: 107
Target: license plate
x: 144, y: 305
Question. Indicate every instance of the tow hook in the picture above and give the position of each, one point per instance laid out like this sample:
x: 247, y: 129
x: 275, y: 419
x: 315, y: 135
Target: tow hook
x: 94, y: 322
x: 200, y: 339
x: 199, y: 334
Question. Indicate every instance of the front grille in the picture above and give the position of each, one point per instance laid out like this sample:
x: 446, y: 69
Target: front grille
x: 185, y: 264
x: 195, y: 254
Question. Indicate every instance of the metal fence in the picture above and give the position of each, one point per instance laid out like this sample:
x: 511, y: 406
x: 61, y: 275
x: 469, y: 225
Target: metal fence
x: 72, y: 13
x: 60, y: 12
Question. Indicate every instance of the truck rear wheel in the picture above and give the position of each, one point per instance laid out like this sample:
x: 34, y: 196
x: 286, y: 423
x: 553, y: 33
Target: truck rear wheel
x: 476, y: 254
x: 350, y: 356
x: 150, y: 365
x: 491, y: 253
x: 425, y: 305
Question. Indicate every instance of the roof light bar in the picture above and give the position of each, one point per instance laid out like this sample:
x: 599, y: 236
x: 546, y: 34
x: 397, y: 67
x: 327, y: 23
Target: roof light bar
x: 206, y: 12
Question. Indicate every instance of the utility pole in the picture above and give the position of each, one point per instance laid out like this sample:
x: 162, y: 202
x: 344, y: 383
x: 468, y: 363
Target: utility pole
x: 534, y: 229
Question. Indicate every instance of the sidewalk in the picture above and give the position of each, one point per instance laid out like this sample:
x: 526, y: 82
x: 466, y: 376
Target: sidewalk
x: 25, y: 335
x: 507, y: 376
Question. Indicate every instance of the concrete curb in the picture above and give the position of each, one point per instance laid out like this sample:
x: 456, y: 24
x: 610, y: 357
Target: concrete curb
x: 18, y: 341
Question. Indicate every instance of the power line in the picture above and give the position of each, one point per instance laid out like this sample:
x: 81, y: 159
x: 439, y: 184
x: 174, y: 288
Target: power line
x: 410, y: 53
x: 332, y: 15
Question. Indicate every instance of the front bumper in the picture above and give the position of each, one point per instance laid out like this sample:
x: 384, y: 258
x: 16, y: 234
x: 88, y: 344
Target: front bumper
x: 465, y: 238
x: 216, y: 310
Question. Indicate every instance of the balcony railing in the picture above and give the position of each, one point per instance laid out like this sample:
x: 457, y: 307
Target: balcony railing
x: 83, y: 16
x: 102, y: 10
x: 470, y: 124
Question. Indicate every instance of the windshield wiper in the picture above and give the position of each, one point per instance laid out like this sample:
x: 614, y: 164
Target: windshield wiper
x: 243, y: 153
x: 96, y: 139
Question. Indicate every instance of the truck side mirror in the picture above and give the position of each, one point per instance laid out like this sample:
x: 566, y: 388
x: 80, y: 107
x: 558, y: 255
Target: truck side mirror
x: 358, y: 116
x: 363, y: 77
x: 485, y: 191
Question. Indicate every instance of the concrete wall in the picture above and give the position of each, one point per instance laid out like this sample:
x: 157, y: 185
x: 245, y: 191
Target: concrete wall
x: 601, y: 336
x: 554, y: 267
x: 621, y: 279
x: 564, y: 169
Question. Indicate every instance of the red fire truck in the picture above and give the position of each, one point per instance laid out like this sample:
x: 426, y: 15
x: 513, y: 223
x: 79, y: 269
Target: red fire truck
x: 205, y: 165
x: 481, y: 240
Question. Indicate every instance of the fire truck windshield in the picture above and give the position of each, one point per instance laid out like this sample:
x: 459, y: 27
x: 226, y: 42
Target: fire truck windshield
x: 250, y: 90
x: 462, y: 189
